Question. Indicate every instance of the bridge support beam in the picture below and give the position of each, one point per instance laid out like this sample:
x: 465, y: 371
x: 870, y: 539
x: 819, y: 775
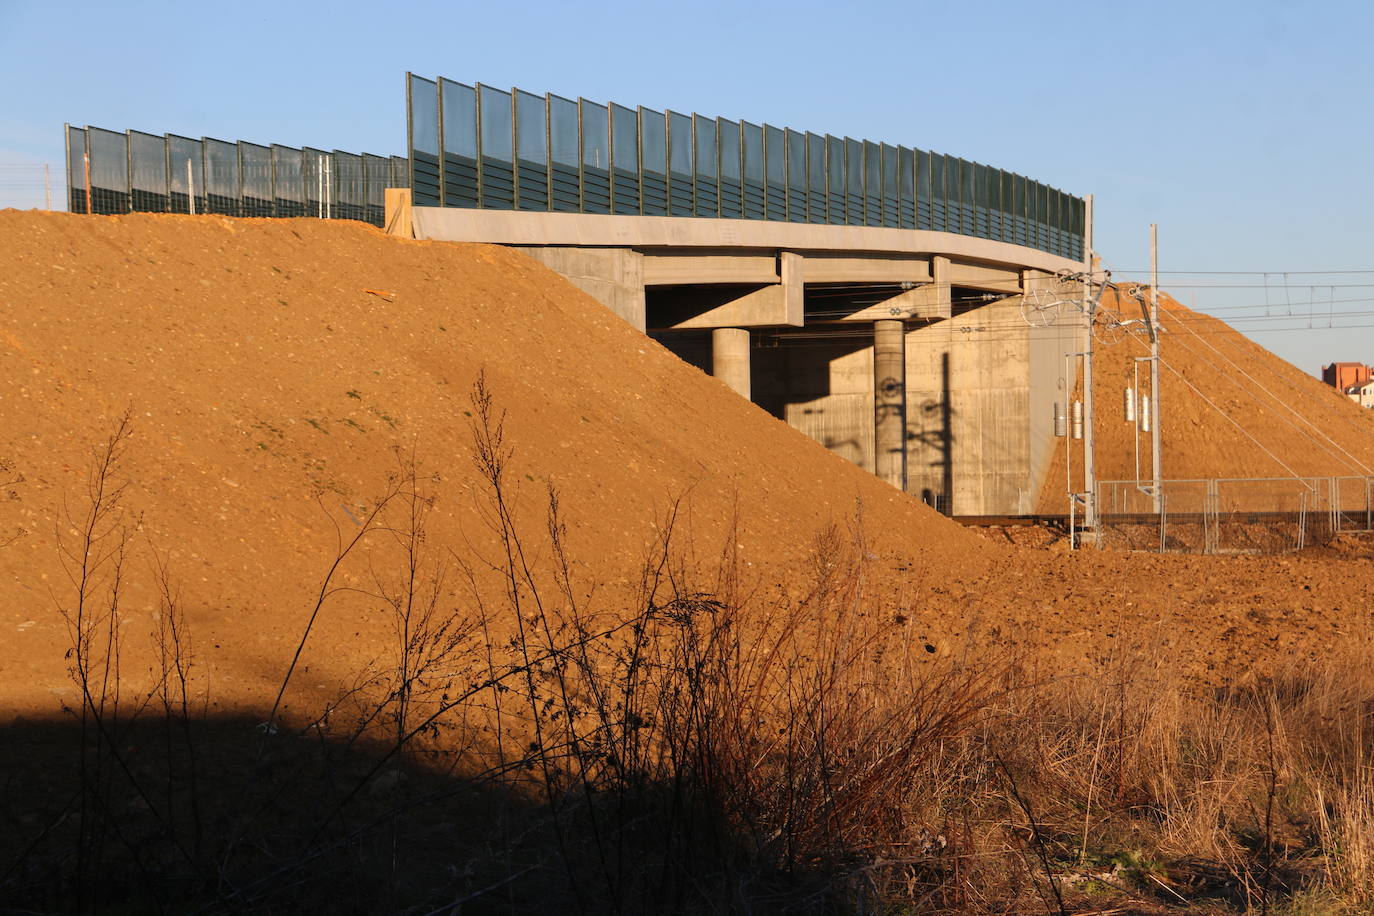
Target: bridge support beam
x: 889, y: 401
x: 730, y: 358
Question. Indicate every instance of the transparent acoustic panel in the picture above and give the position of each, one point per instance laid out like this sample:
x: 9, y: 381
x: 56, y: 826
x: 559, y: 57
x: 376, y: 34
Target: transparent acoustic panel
x: 796, y: 175
x: 1002, y: 205
x: 704, y: 159
x: 109, y: 170
x: 255, y: 177
x: 775, y: 173
x: 752, y: 170
x: 76, y: 170
x: 938, y: 205
x: 565, y: 157
x: 185, y: 174
x: 817, y: 201
x: 906, y: 188
x: 147, y: 173
x: 531, y: 151
x: 1007, y: 207
x: 349, y: 193
x: 314, y: 172
x: 967, y: 221
x: 681, y: 181
x: 653, y: 154
x: 925, y: 218
x: 1051, y: 232
x: 400, y: 172
x: 731, y: 189
x: 1024, y: 208
x: 624, y: 160
x: 954, y: 193
x: 873, y: 184
x: 459, y: 144
x: 834, y: 180
x: 596, y: 157
x: 979, y: 196
x: 1070, y: 232
x: 221, y: 176
x: 1080, y: 228
x: 1019, y: 208
x: 854, y: 181
x: 948, y: 189
x: 994, y: 202
x: 1046, y: 219
x: 288, y: 185
x: 422, y: 117
x: 376, y: 179
x: 891, y: 189
x: 496, y: 170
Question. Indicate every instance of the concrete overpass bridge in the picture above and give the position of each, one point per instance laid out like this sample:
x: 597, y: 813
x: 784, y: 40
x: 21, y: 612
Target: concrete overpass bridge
x: 893, y: 304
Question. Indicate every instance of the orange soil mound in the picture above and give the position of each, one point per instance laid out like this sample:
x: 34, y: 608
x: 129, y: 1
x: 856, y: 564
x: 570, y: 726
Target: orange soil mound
x: 1266, y: 419
x: 272, y: 367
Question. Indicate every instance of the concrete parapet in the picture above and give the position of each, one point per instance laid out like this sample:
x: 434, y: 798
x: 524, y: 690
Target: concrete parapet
x: 524, y: 227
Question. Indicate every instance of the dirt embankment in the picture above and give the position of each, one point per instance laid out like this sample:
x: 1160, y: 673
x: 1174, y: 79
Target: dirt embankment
x: 1230, y: 408
x: 274, y: 368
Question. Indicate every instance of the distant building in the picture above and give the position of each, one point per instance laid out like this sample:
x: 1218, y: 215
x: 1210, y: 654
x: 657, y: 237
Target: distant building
x: 1344, y: 376
x: 1362, y: 394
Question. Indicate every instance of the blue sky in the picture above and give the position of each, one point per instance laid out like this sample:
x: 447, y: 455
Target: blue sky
x: 1243, y: 129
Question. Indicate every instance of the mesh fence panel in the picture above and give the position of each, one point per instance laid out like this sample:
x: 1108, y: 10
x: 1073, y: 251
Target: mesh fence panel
x: 1232, y: 515
x: 174, y: 174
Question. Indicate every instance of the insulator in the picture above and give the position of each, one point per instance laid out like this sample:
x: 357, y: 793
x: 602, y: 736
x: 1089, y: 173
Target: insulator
x: 1078, y: 419
x: 1130, y: 405
x: 1061, y: 422
x: 1145, y: 413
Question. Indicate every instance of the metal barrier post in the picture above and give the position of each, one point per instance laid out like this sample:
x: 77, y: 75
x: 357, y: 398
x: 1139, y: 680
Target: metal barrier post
x: 1163, y: 525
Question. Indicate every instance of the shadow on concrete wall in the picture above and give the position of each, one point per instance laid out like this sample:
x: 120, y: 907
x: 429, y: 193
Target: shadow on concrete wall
x: 930, y: 445
x: 796, y: 380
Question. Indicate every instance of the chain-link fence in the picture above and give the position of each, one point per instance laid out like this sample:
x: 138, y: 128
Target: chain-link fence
x: 1232, y: 515
x: 112, y: 172
x: 484, y: 147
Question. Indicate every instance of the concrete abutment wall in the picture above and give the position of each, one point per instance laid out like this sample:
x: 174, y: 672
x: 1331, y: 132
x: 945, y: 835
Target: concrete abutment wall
x: 909, y: 353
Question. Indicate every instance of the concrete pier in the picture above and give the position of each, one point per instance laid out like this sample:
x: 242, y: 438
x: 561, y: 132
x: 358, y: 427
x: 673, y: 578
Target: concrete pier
x: 889, y: 401
x: 730, y: 358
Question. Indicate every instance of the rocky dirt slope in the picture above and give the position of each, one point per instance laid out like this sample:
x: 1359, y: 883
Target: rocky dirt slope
x: 274, y: 369
x: 1231, y: 408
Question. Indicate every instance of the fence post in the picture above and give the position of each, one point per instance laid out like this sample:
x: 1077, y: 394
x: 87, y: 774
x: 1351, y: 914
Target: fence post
x: 1163, y: 524
x: 1302, y: 520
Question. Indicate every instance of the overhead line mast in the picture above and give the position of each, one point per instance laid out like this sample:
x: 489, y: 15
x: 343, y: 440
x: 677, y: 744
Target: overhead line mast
x: 1089, y: 310
x: 1155, y: 438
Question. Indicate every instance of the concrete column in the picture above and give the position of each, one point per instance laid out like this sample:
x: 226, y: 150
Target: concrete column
x: 730, y: 358
x: 942, y: 277
x: 889, y: 401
